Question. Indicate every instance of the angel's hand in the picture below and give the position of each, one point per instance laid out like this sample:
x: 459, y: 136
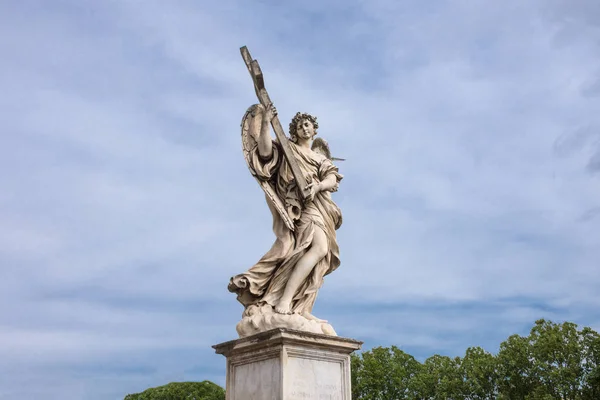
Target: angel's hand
x: 271, y: 112
x: 313, y: 188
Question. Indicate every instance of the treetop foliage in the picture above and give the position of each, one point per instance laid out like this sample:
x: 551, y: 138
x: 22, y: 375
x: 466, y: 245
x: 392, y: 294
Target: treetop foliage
x: 204, y: 390
x: 555, y: 361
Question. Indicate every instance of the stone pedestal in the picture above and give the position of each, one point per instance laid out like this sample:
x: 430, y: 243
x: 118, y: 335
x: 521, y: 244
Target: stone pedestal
x: 283, y: 364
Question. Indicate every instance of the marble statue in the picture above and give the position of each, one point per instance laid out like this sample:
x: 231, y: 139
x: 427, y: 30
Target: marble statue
x: 298, y: 176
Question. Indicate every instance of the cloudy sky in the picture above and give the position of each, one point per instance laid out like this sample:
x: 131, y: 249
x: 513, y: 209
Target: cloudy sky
x: 471, y: 195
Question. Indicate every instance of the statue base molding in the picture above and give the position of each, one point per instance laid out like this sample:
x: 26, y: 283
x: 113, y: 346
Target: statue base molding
x: 283, y: 364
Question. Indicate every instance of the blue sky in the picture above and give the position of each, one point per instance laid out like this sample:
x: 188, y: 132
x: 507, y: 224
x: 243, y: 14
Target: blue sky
x: 471, y: 195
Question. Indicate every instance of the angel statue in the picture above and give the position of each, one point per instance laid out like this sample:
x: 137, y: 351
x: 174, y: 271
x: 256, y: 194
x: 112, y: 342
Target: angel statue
x: 279, y: 291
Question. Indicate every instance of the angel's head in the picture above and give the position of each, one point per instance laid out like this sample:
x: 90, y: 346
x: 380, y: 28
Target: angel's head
x: 303, y: 126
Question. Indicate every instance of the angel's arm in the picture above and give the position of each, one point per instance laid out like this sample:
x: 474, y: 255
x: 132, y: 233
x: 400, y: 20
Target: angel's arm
x: 265, y: 144
x: 330, y: 184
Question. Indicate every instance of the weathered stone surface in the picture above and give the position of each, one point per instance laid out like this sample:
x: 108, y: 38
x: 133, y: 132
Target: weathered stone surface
x: 282, y: 364
x: 260, y: 319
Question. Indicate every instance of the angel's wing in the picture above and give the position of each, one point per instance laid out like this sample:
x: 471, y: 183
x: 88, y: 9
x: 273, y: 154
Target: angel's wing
x: 248, y: 146
x: 321, y: 146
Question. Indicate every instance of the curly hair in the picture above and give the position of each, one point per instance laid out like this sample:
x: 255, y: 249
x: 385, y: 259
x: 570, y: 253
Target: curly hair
x: 299, y: 117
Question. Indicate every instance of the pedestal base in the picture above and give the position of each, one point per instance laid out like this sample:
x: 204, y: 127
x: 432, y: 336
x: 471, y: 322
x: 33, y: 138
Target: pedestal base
x: 282, y: 364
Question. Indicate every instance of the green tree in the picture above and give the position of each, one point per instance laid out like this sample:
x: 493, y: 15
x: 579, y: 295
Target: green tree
x: 554, y: 362
x: 479, y: 372
x: 384, y: 374
x: 204, y: 390
x: 440, y: 379
x: 590, y: 385
x: 557, y: 353
x: 515, y: 368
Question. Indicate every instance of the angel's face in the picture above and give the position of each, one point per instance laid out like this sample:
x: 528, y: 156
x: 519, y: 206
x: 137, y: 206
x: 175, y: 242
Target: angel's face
x: 305, y: 129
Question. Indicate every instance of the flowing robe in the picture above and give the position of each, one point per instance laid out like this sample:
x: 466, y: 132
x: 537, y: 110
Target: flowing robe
x: 265, y: 282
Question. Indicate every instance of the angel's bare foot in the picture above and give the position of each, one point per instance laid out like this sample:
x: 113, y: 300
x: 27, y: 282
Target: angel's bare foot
x: 283, y: 307
x: 311, y: 317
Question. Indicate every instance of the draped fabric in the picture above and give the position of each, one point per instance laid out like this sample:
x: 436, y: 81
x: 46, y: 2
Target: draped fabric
x: 264, y: 283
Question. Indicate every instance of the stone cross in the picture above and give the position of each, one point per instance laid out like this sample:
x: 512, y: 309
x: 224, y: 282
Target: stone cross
x: 265, y: 100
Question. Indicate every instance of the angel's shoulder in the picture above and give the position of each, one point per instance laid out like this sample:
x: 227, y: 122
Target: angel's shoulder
x: 320, y: 158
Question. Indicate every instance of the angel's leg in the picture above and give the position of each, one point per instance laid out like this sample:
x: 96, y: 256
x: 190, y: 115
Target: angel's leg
x: 304, y: 266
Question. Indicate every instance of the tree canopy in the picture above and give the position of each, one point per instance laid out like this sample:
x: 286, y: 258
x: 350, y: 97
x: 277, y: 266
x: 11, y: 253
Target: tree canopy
x: 555, y: 361
x: 204, y: 390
